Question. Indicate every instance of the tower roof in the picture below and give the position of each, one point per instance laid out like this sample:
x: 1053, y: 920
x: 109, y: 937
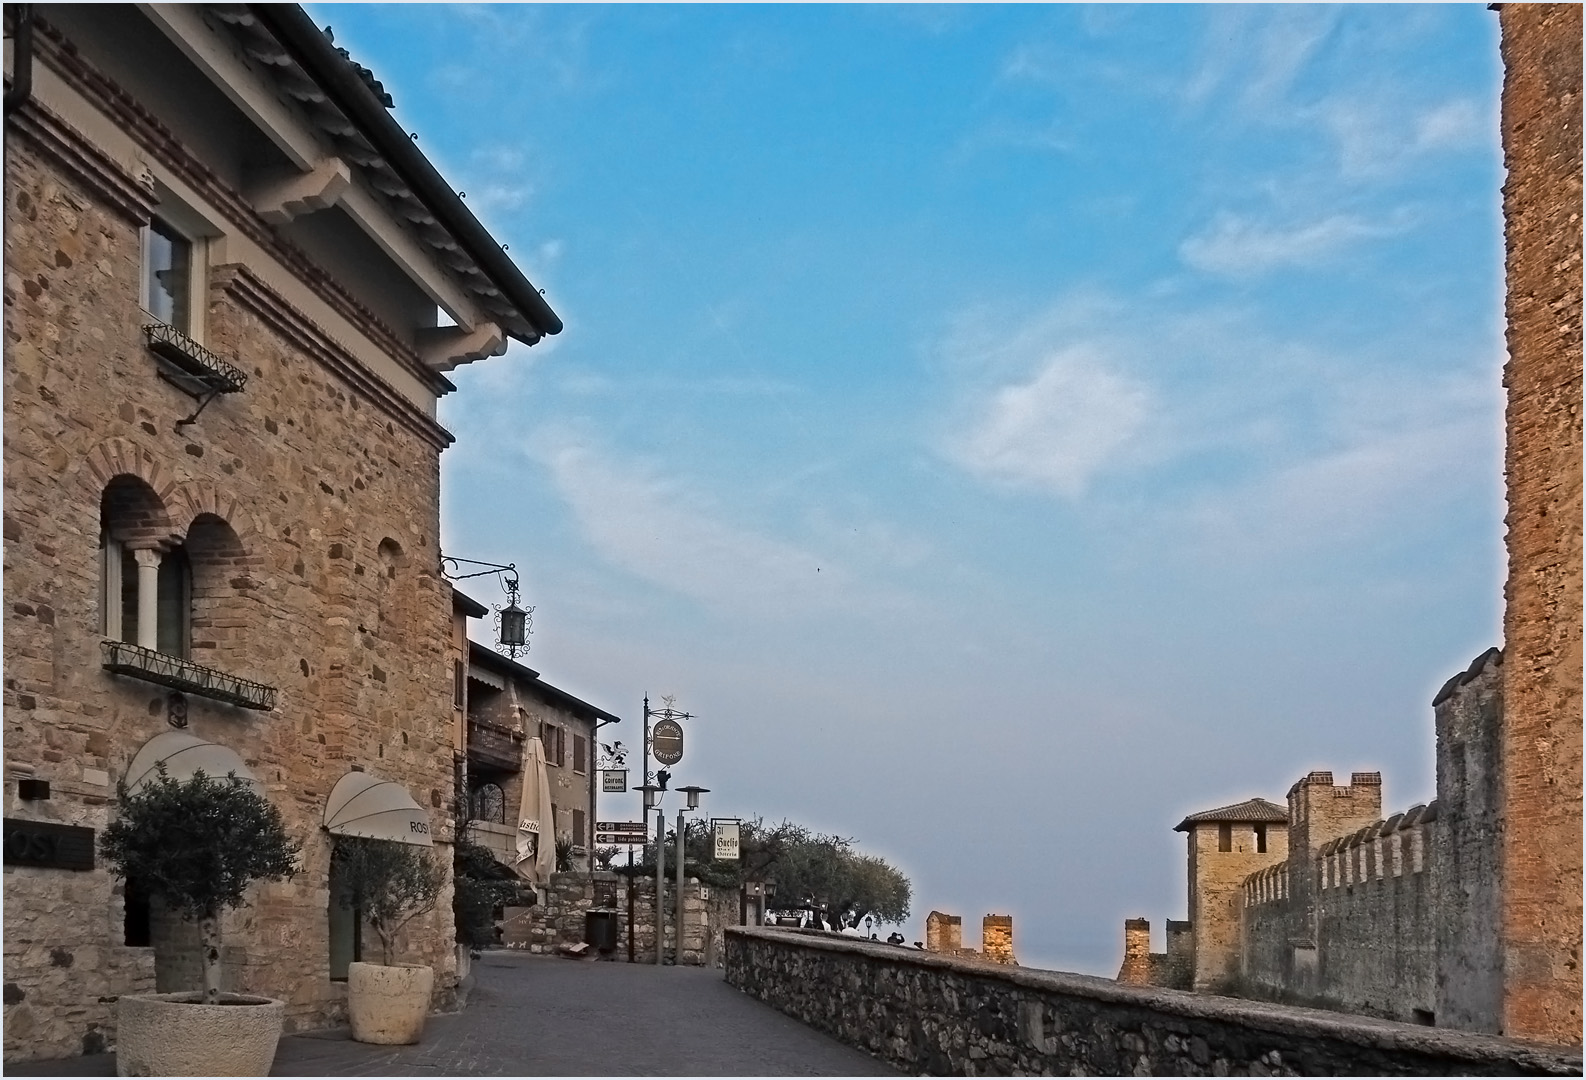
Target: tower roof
x: 1255, y: 810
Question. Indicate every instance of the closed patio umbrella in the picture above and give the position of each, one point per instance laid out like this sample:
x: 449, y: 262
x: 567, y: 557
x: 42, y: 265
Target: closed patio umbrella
x: 536, y: 831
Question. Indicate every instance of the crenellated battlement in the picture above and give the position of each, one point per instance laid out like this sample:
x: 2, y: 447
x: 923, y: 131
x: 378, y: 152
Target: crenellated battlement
x: 1394, y: 847
x: 1267, y: 886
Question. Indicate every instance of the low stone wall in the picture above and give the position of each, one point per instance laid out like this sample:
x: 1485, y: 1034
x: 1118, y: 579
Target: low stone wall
x: 945, y: 1016
x: 558, y: 919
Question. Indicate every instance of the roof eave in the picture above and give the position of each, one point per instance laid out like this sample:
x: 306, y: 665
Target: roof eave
x: 309, y: 47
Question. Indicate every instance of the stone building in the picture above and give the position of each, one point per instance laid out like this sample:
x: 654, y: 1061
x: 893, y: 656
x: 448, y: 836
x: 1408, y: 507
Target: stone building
x: 507, y: 704
x: 233, y: 287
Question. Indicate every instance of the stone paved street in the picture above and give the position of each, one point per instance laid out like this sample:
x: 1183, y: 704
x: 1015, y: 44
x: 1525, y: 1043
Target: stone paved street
x: 545, y: 1016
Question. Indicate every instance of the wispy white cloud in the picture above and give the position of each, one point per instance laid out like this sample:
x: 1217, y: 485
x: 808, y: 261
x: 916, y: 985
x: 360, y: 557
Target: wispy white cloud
x: 1057, y: 427
x: 1255, y: 54
x: 1239, y: 246
x: 1397, y: 451
x: 673, y: 534
x: 1378, y: 135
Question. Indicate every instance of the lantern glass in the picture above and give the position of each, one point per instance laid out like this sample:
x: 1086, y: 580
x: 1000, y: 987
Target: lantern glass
x: 514, y: 621
x: 693, y: 800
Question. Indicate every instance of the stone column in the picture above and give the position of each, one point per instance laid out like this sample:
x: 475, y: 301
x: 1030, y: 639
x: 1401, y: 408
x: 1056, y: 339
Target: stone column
x: 148, y: 560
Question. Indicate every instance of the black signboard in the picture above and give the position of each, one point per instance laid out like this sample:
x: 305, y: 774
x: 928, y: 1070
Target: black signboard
x: 44, y: 843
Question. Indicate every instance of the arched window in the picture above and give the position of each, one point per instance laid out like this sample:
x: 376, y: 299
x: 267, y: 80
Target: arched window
x: 145, y: 581
x: 490, y: 804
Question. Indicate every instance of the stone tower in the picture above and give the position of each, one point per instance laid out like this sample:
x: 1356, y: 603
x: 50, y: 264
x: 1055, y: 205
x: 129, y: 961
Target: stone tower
x: 1319, y: 811
x: 1226, y: 845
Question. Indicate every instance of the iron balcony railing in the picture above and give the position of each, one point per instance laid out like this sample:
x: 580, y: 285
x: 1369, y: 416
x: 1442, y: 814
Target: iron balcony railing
x: 125, y: 658
x: 195, y: 362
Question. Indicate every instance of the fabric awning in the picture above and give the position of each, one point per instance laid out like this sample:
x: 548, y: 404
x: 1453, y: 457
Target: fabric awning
x: 536, y: 831
x: 362, y: 804
x: 487, y: 678
x: 184, y: 754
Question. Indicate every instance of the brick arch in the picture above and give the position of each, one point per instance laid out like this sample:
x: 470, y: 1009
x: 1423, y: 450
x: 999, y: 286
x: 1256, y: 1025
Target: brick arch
x: 123, y: 457
x: 190, y: 498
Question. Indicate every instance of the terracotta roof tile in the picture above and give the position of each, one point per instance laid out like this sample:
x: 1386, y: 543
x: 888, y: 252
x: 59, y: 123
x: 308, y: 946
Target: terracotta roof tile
x: 1249, y: 810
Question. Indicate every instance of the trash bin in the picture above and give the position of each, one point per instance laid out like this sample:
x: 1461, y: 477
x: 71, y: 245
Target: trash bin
x: 600, y: 929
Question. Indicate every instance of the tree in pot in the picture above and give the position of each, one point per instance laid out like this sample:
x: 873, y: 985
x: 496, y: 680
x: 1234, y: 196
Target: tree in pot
x: 197, y: 845
x: 387, y: 884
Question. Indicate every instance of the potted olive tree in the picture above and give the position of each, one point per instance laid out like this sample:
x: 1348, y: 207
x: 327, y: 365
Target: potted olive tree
x: 387, y: 885
x: 197, y: 844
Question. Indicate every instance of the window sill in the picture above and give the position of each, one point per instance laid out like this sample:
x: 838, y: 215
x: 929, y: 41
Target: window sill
x: 134, y: 661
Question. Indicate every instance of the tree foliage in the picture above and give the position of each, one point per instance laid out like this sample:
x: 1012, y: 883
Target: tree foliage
x: 480, y: 884
x: 388, y: 883
x: 809, y: 868
x: 197, y: 844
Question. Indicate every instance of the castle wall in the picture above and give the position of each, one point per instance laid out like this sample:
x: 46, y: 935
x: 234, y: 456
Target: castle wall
x: 1376, y: 931
x: 1541, y: 740
x: 1467, y: 859
x: 1371, y: 926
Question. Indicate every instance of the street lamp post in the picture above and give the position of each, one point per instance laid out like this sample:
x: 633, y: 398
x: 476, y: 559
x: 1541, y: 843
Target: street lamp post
x: 652, y: 797
x: 693, y: 794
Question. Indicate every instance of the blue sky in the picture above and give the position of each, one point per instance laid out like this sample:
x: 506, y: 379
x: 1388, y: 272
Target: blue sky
x: 1007, y: 428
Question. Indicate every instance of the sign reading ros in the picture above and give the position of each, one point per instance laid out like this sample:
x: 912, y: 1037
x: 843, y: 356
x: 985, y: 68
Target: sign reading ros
x: 727, y: 837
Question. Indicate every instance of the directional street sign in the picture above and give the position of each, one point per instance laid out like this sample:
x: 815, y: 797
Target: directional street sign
x: 621, y: 832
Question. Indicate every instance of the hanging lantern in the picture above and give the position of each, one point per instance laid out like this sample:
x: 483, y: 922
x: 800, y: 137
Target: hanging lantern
x: 514, y: 626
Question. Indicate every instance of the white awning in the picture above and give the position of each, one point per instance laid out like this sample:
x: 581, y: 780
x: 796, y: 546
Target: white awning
x: 488, y: 678
x: 362, y: 804
x: 184, y: 754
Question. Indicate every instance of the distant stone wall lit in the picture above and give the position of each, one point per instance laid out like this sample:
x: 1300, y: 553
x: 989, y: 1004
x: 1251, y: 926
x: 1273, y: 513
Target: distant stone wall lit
x: 945, y: 1016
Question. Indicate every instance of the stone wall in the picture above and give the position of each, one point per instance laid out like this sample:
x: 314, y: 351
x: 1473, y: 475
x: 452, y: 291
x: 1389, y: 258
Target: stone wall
x: 559, y: 918
x: 1372, y: 924
x: 945, y: 1016
x: 1541, y: 739
x: 1466, y: 859
x: 324, y: 484
x: 1173, y: 969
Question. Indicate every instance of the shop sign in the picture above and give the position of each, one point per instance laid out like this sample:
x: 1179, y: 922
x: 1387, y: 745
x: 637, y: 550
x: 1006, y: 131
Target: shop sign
x: 727, y: 836
x: 613, y: 781
x: 666, y: 742
x: 46, y: 843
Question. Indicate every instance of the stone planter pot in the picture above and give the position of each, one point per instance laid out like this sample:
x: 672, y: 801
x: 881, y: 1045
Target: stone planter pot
x: 178, y: 1035
x: 387, y: 1005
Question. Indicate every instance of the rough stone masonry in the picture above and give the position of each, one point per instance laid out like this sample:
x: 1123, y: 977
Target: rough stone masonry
x: 1541, y: 742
